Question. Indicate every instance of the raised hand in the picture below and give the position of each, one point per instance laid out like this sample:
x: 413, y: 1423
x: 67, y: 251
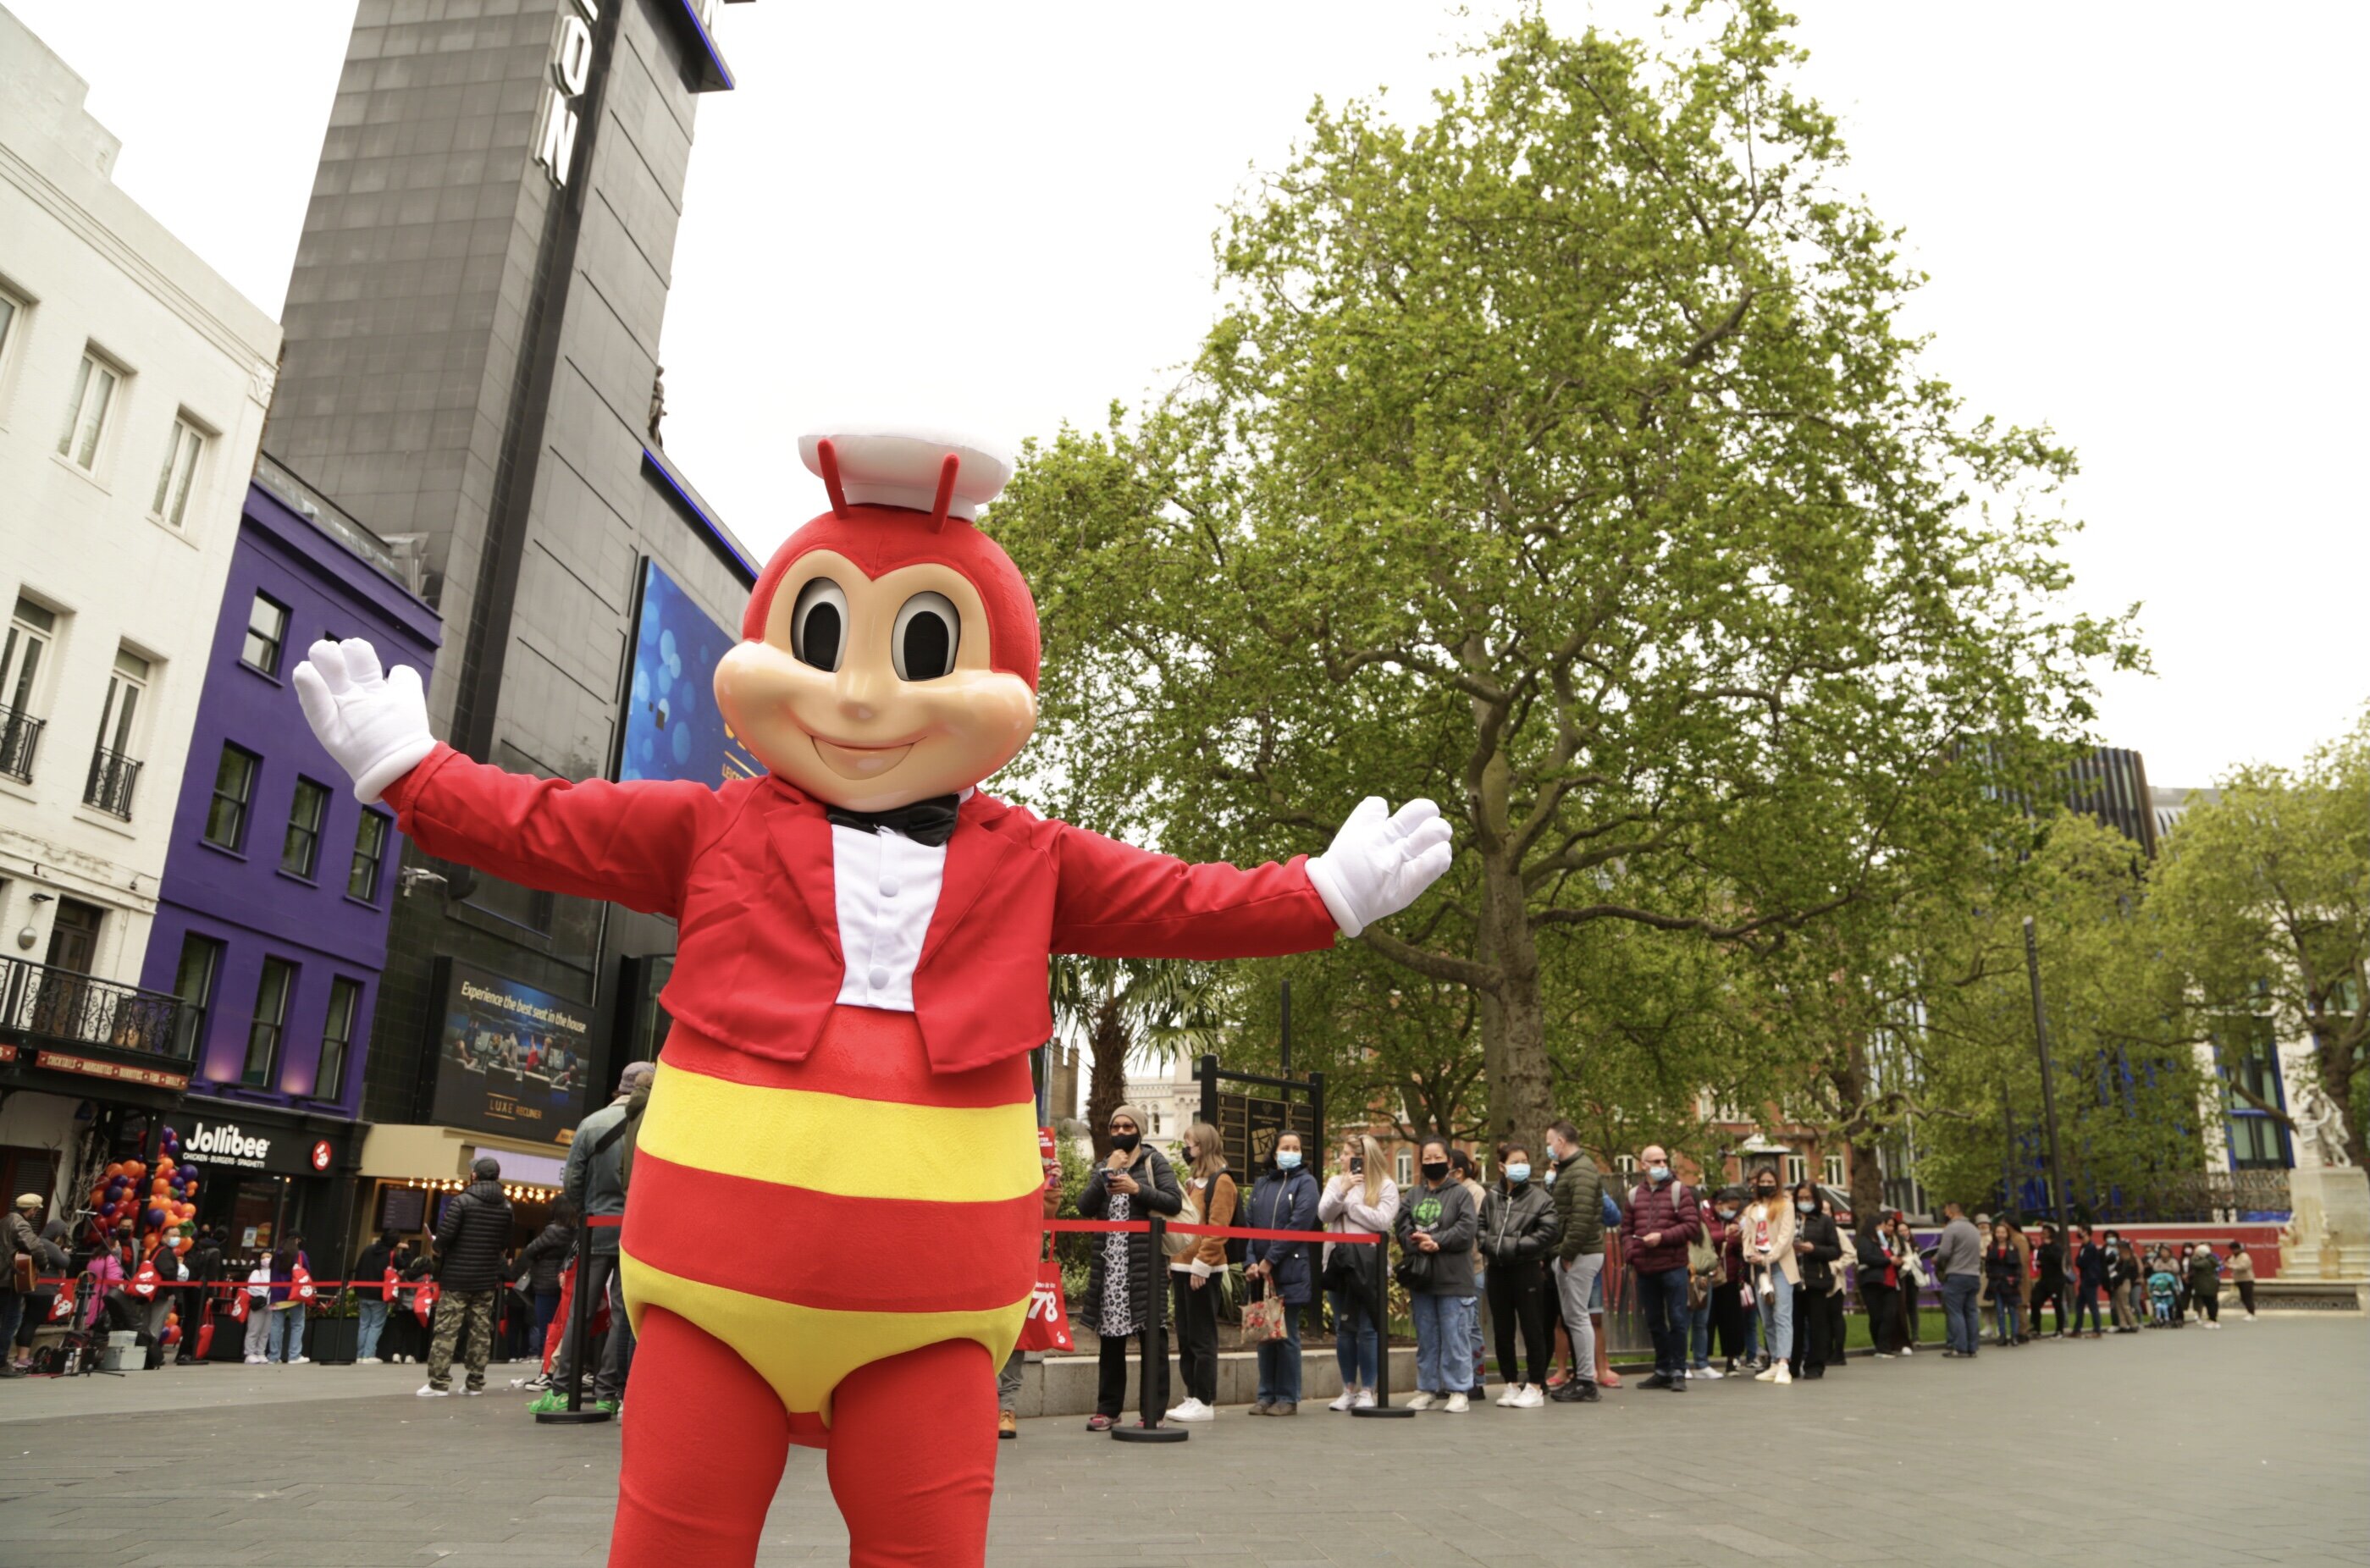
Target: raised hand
x: 1378, y: 863
x: 373, y: 724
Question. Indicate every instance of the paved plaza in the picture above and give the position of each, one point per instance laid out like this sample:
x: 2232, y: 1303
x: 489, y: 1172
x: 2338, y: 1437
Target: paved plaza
x: 2250, y: 1446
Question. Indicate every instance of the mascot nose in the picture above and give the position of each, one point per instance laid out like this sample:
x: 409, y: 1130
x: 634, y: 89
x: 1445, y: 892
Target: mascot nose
x: 859, y: 695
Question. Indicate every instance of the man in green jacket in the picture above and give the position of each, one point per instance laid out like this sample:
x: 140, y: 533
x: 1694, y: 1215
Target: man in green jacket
x: 1578, y: 1188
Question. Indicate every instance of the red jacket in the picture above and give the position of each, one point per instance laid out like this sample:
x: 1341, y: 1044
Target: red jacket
x: 746, y: 873
x: 1674, y: 1209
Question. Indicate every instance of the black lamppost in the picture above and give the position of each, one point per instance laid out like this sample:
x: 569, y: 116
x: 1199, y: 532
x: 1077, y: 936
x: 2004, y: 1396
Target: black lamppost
x: 2048, y: 1090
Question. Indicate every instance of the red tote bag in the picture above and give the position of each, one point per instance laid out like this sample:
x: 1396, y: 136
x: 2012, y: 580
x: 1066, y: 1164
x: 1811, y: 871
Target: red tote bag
x: 1047, y: 1327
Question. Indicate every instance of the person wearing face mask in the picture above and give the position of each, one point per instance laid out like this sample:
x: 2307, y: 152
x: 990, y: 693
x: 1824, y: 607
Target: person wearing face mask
x: 1122, y: 1285
x: 2123, y: 1284
x: 1578, y: 1189
x: 1819, y: 1301
x: 1284, y: 1198
x: 1664, y: 1217
x: 1467, y: 1172
x: 1518, y: 1232
x: 1765, y: 1244
x: 1359, y: 1200
x: 1436, y: 1227
x: 1879, y: 1283
x: 1732, y: 1315
x: 1909, y: 1269
x: 1703, y: 1284
x: 1193, y: 1269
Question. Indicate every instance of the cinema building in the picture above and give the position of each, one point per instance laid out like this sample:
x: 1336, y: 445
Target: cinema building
x: 472, y: 370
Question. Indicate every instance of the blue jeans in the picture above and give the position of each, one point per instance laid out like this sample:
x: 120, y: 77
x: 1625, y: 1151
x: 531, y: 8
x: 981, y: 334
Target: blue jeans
x: 1444, y: 1344
x: 1777, y: 1316
x: 284, y: 1340
x: 1279, y: 1363
x: 1963, y: 1323
x: 1699, y: 1334
x: 1664, y: 1293
x: 373, y: 1323
x: 2003, y: 1317
x: 1353, y: 1338
x: 1480, y: 1356
x: 546, y: 1307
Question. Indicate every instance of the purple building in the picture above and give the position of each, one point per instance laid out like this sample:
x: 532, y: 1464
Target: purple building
x: 272, y: 916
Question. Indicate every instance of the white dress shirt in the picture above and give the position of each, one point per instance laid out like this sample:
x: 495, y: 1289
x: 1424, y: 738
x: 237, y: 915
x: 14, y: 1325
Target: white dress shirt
x: 886, y: 886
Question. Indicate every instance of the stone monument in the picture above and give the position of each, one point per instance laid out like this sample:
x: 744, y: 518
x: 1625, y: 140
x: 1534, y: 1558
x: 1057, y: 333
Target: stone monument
x: 2328, y: 1237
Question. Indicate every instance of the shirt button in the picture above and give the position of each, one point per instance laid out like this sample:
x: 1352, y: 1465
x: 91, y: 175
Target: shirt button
x: 879, y: 979
x: 888, y: 887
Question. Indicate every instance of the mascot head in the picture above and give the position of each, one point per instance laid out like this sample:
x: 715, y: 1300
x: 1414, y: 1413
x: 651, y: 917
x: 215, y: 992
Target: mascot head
x: 889, y: 653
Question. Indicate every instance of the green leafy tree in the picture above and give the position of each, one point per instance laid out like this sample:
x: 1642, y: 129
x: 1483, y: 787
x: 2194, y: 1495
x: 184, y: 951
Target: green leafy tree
x: 1558, y: 457
x: 2265, y: 892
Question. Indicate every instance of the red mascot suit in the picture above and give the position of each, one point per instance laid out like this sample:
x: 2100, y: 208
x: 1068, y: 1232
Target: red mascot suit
x: 861, y: 973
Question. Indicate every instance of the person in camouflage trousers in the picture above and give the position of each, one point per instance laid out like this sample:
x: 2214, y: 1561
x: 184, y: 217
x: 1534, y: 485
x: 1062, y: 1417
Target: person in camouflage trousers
x: 470, y: 1238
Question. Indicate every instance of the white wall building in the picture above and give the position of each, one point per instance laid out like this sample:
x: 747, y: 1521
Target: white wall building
x: 133, y: 381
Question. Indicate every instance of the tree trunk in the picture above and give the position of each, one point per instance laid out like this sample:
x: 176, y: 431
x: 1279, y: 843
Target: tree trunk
x: 1522, y: 1091
x: 1107, y: 1079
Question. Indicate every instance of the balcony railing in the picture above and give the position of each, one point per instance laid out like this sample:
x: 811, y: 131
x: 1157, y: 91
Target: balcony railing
x: 20, y: 733
x: 57, y: 1007
x: 113, y: 777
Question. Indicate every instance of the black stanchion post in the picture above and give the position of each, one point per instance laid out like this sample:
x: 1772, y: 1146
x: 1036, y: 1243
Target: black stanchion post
x: 1381, y: 1305
x: 573, y: 1348
x: 1156, y: 1355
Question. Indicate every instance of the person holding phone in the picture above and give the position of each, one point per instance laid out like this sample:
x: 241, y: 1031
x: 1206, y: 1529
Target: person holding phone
x: 1359, y: 1200
x: 1134, y: 1181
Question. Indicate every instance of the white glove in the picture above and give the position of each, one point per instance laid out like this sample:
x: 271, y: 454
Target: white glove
x: 1378, y: 863
x: 374, y: 725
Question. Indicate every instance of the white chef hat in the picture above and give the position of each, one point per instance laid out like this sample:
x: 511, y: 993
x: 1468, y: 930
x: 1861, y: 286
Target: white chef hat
x: 884, y: 465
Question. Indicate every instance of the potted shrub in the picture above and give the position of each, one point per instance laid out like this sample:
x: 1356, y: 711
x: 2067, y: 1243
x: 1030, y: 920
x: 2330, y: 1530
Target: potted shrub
x: 335, y: 1330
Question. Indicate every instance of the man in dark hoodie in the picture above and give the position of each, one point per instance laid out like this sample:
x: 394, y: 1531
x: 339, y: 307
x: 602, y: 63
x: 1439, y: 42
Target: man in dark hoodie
x: 595, y: 1183
x: 470, y: 1240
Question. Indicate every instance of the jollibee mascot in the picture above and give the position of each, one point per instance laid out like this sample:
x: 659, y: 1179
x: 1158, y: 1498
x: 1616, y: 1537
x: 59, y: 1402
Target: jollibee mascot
x: 861, y: 974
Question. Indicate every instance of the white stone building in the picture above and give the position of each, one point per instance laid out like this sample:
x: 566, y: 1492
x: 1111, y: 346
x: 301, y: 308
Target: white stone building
x: 133, y: 381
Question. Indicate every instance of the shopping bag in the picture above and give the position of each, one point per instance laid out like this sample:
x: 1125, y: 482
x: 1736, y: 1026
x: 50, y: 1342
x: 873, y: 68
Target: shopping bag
x: 239, y: 1307
x: 423, y: 1301
x: 299, y: 1285
x: 62, y: 1305
x: 145, y: 1281
x: 1047, y: 1327
x: 1262, y: 1321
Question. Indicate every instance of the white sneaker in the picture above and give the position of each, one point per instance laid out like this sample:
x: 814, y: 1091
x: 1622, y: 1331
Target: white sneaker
x: 366, y: 1361
x: 1785, y: 1374
x: 430, y: 1391
x: 1418, y: 1402
x: 298, y: 1360
x: 1769, y: 1374
x: 1532, y: 1397
x: 1192, y: 1410
x: 1709, y: 1373
x: 1349, y: 1397
x: 1459, y: 1404
x: 472, y: 1393
x: 1365, y: 1400
x: 255, y: 1361
x: 1512, y: 1396
x: 1908, y: 1350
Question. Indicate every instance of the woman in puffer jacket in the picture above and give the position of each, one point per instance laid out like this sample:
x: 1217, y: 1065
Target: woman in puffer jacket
x: 1519, y: 1233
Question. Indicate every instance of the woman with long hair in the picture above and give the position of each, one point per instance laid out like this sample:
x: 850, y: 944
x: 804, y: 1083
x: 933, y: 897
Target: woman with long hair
x: 1772, y: 1271
x: 1819, y: 1304
x: 1518, y: 1232
x: 1879, y: 1282
x: 1359, y: 1200
x: 1196, y: 1266
x: 1124, y: 1283
x: 2242, y: 1274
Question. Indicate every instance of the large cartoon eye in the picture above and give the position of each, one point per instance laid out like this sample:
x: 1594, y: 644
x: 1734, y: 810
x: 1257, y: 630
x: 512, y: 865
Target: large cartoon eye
x: 819, y: 625
x: 922, y: 642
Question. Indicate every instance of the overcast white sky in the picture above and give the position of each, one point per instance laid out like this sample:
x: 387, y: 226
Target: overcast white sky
x: 2140, y: 222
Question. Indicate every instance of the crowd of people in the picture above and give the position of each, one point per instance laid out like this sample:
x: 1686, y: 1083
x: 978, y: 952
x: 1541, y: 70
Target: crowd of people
x: 1743, y: 1281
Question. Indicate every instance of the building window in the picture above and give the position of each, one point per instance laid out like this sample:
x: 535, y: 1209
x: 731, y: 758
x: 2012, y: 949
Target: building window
x: 180, y: 467
x: 31, y: 631
x: 370, y: 850
x: 337, y: 1037
x: 1832, y: 1171
x: 113, y: 771
x: 194, y: 982
x: 266, y: 630
x: 301, y: 849
x: 12, y: 310
x: 271, y: 1015
x: 1798, y: 1170
x: 1405, y: 1165
x: 94, y: 392
x: 1626, y: 1164
x: 2257, y: 1141
x: 233, y: 787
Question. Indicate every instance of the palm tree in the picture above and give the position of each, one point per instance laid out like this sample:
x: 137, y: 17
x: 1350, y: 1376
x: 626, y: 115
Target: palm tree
x: 1163, y: 1007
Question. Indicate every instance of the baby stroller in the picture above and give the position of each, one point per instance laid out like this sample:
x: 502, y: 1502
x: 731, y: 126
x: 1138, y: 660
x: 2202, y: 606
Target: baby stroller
x: 2163, y: 1294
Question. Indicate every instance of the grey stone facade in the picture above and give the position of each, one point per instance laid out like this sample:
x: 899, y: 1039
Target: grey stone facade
x: 470, y: 355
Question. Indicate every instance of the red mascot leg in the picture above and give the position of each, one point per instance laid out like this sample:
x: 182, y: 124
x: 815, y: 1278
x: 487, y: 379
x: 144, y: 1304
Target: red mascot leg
x: 912, y: 1457
x: 703, y: 1444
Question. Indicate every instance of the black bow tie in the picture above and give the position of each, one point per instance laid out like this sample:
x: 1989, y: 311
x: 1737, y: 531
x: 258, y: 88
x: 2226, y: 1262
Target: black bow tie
x: 930, y: 822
